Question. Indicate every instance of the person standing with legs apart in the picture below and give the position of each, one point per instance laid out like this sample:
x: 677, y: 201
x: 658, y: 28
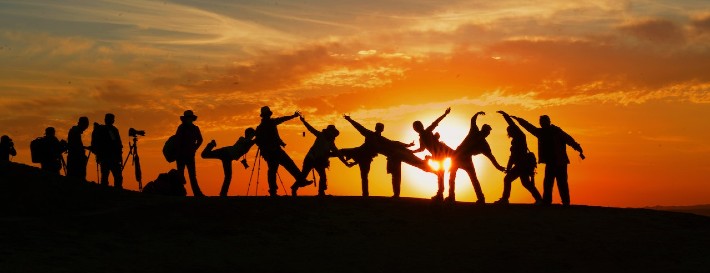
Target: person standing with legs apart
x: 76, y: 158
x: 473, y: 144
x: 229, y: 153
x: 187, y: 139
x: 270, y: 143
x: 520, y: 164
x: 318, y: 156
x: 552, y: 145
x: 106, y: 144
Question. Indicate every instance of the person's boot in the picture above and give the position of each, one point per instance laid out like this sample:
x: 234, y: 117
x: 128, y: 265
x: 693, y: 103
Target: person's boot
x: 481, y: 201
x: 501, y: 202
x: 450, y: 199
x: 294, y: 189
x: 438, y: 197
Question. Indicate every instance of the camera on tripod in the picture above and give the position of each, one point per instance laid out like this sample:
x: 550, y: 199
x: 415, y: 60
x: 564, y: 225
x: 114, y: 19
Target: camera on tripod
x: 134, y: 133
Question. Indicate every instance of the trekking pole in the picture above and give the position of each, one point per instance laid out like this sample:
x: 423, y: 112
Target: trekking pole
x: 64, y: 164
x: 313, y: 172
x: 253, y: 166
x: 282, y: 183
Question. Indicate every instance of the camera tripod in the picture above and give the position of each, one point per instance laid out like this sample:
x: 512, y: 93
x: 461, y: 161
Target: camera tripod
x: 135, y: 159
x: 257, y: 165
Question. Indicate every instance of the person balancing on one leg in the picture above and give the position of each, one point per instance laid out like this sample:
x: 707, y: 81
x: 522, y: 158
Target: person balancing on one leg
x: 228, y: 154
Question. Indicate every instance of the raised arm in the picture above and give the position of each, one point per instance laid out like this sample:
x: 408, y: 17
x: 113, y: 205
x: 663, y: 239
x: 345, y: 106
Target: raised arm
x: 528, y: 126
x: 363, y: 131
x: 474, y: 126
x: 283, y: 119
x: 510, y: 122
x: 309, y: 127
x: 436, y: 122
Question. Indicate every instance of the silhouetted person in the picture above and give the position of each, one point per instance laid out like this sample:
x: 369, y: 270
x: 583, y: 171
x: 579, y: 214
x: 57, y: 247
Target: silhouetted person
x: 108, y: 148
x: 519, y: 165
x: 318, y: 156
x: 473, y: 144
x: 395, y: 151
x: 270, y: 144
x: 363, y: 156
x: 7, y: 148
x: 439, y: 151
x: 552, y: 150
x: 187, y: 139
x: 53, y: 149
x: 76, y: 158
x: 229, y: 153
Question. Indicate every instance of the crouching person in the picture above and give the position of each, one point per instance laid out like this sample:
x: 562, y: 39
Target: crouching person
x: 229, y: 153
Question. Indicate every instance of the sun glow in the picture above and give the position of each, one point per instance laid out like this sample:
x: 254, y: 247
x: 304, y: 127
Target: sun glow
x: 452, y: 131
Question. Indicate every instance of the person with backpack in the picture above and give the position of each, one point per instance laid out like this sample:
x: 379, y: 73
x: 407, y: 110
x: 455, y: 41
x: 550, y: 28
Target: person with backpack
x: 108, y: 148
x: 552, y: 144
x: 318, y: 156
x: 76, y: 157
x: 521, y: 163
x: 228, y: 154
x: 270, y: 145
x: 7, y: 148
x: 51, y: 150
x: 187, y: 139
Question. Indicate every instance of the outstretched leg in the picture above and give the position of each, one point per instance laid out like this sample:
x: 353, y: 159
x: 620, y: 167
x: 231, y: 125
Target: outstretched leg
x: 323, y: 181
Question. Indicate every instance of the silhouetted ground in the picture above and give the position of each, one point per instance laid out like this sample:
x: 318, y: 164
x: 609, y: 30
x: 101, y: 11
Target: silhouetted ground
x: 698, y: 209
x: 51, y: 224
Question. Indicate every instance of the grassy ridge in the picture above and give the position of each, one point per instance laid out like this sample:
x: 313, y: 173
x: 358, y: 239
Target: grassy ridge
x: 85, y: 228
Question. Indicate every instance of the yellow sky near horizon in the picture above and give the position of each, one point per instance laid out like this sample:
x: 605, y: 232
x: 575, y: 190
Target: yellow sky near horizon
x: 627, y: 79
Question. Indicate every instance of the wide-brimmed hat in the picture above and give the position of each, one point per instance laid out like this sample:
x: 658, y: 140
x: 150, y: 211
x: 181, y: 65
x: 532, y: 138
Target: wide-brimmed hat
x: 188, y: 115
x: 332, y: 130
x: 266, y: 111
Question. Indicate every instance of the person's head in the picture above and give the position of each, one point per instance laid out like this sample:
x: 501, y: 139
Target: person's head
x: 5, y: 139
x: 109, y: 119
x: 188, y: 116
x: 545, y: 121
x: 265, y: 112
x: 49, y: 132
x: 379, y: 127
x: 332, y: 131
x: 249, y: 133
x: 418, y: 126
x: 83, y: 123
x: 486, y: 129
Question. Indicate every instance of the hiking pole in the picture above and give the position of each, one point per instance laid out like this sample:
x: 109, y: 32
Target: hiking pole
x: 64, y: 164
x: 282, y: 183
x: 313, y: 172
x: 252, y: 170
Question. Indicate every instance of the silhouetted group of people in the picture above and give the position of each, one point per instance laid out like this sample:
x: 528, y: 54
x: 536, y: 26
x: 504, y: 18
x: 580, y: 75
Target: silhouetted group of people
x: 108, y: 149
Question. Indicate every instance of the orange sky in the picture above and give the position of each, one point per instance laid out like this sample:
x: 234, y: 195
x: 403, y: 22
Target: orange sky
x: 627, y: 79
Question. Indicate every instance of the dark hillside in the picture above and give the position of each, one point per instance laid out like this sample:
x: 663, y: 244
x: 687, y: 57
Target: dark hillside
x: 50, y: 224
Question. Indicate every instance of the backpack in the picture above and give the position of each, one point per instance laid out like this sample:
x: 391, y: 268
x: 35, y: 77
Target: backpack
x: 530, y: 162
x: 170, y: 183
x: 99, y: 139
x: 170, y: 149
x: 38, y: 150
